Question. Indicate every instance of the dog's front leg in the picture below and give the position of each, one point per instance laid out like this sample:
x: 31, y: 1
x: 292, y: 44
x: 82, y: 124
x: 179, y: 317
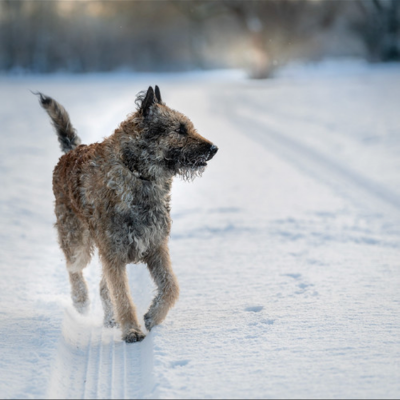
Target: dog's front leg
x: 159, y: 265
x: 117, y: 282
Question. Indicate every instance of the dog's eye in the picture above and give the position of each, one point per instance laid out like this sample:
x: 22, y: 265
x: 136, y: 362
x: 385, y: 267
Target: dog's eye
x: 181, y: 130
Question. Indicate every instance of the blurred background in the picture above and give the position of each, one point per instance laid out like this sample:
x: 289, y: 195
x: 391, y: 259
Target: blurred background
x: 258, y: 36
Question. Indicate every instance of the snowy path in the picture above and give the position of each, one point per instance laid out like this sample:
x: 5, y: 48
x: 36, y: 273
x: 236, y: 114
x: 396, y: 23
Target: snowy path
x: 287, y: 250
x: 93, y: 362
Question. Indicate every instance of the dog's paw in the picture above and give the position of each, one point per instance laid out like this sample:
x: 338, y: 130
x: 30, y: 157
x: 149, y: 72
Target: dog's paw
x: 110, y: 323
x: 82, y: 306
x: 133, y: 336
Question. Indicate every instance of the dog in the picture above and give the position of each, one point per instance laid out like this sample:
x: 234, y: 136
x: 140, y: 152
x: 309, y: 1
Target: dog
x: 115, y: 195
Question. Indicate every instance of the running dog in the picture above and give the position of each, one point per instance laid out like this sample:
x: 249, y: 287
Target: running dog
x: 115, y: 195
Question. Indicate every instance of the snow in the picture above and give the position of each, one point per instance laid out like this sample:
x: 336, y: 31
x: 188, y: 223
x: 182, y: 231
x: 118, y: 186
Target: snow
x: 287, y: 249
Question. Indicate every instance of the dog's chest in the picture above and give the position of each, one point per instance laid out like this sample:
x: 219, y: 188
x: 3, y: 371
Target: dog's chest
x: 142, y: 224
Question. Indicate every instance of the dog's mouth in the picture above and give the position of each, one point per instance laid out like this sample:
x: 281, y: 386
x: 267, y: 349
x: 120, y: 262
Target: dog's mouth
x: 201, y: 163
x: 196, y: 161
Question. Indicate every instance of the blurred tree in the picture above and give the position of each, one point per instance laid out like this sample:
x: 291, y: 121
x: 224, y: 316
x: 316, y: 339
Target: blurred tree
x: 274, y: 28
x: 378, y: 25
x: 10, y: 31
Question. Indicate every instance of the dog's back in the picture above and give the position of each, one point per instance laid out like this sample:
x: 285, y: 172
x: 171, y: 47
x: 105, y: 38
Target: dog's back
x: 68, y: 173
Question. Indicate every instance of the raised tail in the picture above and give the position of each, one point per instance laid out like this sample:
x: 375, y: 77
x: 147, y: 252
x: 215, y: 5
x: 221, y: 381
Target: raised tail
x: 66, y: 133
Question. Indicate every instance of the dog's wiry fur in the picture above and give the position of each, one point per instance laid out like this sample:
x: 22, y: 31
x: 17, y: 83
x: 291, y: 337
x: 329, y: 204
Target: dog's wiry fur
x: 116, y: 195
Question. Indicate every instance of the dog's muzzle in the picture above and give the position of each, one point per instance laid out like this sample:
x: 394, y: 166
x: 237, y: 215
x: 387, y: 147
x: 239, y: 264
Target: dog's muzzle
x: 202, y: 161
x: 212, y: 153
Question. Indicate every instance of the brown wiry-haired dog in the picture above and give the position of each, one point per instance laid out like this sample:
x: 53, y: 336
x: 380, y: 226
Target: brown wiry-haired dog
x: 116, y: 195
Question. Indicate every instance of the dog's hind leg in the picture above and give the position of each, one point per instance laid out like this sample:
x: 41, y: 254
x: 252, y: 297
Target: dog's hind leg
x: 79, y: 292
x: 159, y: 265
x: 80, y: 257
x: 114, y: 274
x: 77, y: 245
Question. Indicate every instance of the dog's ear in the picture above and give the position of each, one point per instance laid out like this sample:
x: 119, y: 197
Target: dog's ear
x: 158, y: 95
x: 147, y: 102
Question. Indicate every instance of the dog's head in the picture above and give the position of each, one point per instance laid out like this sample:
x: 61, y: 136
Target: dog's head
x: 169, y: 138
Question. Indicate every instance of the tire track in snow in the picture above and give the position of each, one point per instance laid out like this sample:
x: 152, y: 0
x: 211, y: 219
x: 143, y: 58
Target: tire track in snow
x: 92, y: 361
x: 315, y: 163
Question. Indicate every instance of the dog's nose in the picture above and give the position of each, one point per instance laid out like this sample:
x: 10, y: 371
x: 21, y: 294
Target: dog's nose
x: 213, y: 151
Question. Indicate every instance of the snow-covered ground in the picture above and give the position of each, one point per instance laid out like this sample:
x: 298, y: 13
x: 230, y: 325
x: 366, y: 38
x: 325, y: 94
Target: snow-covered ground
x: 287, y: 250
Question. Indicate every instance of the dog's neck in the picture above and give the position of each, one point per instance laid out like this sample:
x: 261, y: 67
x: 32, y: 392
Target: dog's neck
x: 133, y: 164
x: 132, y: 152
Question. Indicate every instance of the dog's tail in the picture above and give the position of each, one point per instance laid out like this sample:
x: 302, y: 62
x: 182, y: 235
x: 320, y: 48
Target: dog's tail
x: 66, y: 133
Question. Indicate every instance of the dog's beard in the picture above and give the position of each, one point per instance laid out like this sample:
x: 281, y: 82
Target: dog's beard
x: 188, y: 168
x: 190, y: 173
